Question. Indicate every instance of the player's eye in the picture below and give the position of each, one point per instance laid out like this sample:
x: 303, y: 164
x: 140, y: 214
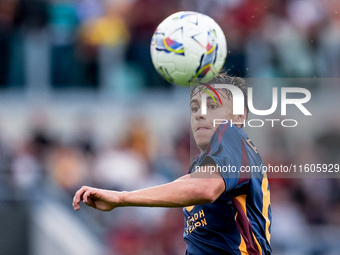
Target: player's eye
x: 194, y: 108
x: 212, y: 106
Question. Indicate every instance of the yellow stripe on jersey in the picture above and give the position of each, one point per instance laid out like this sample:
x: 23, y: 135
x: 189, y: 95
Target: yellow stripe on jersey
x: 257, y: 243
x: 243, y: 246
x: 266, y: 203
x: 242, y: 200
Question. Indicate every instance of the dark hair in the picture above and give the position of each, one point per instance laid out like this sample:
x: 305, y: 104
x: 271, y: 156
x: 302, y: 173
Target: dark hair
x: 224, y: 78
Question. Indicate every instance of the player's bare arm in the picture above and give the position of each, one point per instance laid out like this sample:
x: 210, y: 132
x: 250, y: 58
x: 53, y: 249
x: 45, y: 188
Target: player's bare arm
x: 190, y: 189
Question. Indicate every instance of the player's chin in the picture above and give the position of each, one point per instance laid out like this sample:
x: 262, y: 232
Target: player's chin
x: 202, y: 141
x: 203, y: 135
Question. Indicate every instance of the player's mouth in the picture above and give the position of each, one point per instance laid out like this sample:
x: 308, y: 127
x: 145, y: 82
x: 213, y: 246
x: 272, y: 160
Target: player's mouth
x: 202, y: 128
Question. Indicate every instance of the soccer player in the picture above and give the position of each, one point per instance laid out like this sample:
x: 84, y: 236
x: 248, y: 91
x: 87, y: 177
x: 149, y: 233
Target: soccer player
x: 226, y: 209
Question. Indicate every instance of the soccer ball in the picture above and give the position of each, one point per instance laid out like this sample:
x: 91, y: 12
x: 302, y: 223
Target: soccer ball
x: 188, y: 47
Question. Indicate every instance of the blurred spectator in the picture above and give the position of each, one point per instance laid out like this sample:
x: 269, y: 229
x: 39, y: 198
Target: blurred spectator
x: 27, y: 170
x: 34, y: 47
x: 126, y: 167
x: 143, y: 18
x: 328, y: 50
x: 63, y: 21
x: 33, y: 14
x: 68, y: 168
x: 89, y: 9
x: 103, y: 40
x: 120, y: 169
x: 40, y: 137
x: 283, y: 207
x: 138, y: 137
x: 84, y: 138
x: 8, y: 11
x: 6, y: 156
x: 240, y: 21
x: 108, y: 30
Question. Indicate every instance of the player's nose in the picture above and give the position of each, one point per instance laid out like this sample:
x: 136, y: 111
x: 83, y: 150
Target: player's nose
x: 199, y: 116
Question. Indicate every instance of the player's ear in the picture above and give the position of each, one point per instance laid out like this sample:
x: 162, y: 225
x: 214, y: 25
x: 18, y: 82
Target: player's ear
x: 241, y: 118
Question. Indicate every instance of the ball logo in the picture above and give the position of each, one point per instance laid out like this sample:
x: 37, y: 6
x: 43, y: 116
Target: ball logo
x: 168, y: 44
x: 209, y: 57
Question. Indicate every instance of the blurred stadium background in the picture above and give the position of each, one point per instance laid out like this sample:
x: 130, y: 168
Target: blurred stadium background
x: 81, y: 104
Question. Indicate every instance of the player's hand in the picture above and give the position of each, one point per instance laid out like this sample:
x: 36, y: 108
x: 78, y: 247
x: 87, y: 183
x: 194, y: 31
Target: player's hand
x: 104, y: 200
